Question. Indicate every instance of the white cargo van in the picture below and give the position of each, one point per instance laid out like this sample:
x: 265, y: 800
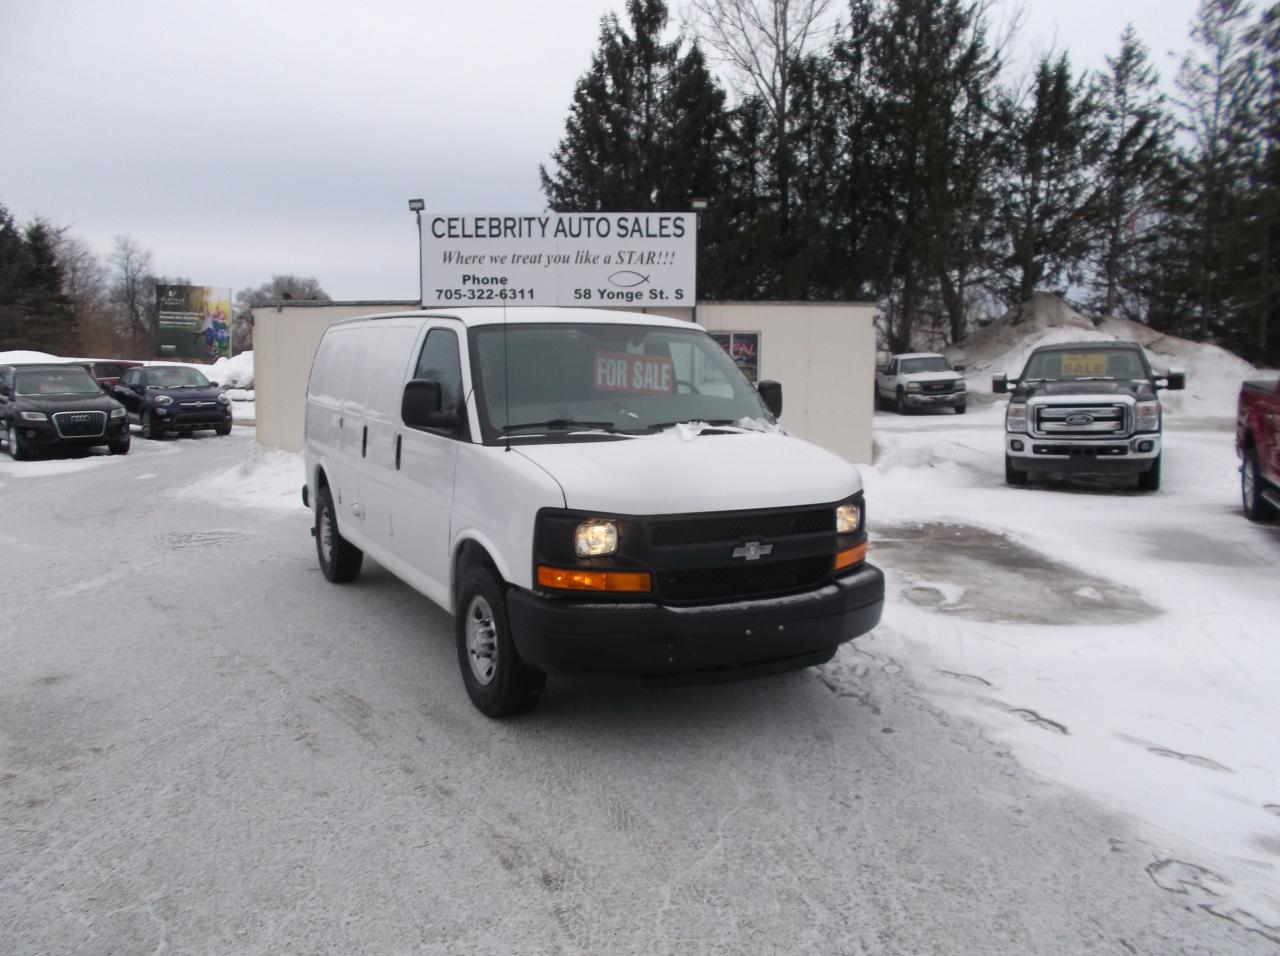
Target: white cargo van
x: 586, y: 491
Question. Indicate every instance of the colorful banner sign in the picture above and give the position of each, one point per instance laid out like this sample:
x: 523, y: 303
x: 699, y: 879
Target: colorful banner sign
x: 585, y: 259
x: 193, y: 322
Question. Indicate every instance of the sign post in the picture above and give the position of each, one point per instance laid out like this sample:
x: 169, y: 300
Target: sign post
x: 576, y: 259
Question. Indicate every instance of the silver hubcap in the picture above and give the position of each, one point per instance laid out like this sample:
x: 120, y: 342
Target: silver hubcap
x: 326, y: 535
x: 1248, y: 484
x: 482, y: 641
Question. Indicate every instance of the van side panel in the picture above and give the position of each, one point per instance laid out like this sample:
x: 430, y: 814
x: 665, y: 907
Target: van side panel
x: 326, y: 390
x: 497, y: 495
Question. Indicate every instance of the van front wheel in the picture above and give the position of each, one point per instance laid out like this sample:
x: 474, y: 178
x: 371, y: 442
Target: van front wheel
x: 340, y: 560
x: 498, y: 682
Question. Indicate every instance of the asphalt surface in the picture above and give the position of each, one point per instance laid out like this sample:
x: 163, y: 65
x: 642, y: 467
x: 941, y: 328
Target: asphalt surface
x: 205, y: 747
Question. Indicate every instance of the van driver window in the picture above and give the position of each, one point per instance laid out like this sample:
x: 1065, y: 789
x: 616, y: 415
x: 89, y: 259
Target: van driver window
x: 440, y: 363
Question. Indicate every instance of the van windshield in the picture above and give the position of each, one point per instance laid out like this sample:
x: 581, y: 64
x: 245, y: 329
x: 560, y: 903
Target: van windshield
x: 566, y: 379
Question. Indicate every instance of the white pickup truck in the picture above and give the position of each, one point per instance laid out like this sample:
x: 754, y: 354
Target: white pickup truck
x: 920, y: 380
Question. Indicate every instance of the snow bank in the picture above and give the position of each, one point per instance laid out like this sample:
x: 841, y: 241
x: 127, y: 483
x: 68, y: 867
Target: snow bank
x: 235, y: 372
x: 267, y: 478
x: 1213, y: 374
x: 20, y: 356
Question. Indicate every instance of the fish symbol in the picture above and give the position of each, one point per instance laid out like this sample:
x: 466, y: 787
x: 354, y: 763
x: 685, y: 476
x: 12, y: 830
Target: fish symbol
x: 626, y: 279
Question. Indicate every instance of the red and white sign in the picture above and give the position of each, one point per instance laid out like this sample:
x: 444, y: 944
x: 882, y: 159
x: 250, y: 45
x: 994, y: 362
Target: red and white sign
x: 636, y: 374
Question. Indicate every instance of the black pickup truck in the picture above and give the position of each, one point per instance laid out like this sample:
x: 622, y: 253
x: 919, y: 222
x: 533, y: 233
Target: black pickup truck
x: 58, y: 406
x: 1085, y: 408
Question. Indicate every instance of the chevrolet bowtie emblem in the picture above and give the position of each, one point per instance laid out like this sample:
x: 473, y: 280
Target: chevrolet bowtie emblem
x: 752, y: 550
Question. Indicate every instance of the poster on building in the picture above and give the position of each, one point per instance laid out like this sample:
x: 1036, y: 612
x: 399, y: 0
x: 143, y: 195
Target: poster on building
x: 193, y: 322
x: 744, y: 349
x: 584, y: 259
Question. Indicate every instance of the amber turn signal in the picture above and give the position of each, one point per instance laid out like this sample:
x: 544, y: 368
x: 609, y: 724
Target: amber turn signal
x: 851, y: 557
x: 563, y: 579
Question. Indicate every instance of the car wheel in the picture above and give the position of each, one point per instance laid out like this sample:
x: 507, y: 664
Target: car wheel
x: 340, y: 560
x: 16, y: 451
x: 961, y: 409
x: 223, y: 429
x: 1012, y: 475
x: 1256, y: 508
x: 901, y: 406
x: 498, y: 682
x: 1149, y: 480
x: 150, y: 430
x: 119, y: 447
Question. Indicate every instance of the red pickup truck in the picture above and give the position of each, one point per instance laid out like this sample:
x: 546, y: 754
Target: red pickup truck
x: 1258, y: 445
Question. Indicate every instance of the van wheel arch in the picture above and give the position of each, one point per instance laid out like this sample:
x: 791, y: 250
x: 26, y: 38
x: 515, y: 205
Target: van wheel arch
x: 469, y: 554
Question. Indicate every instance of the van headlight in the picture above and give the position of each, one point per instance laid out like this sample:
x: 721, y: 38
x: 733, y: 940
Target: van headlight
x: 595, y: 538
x: 1147, y: 417
x: 1015, y: 419
x: 848, y: 518
x: 164, y: 400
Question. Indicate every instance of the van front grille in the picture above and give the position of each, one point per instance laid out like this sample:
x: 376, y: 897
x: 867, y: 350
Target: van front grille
x: 747, y: 580
x: 740, y: 526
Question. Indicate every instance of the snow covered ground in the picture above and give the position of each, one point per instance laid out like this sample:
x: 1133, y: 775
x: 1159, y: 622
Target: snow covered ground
x: 1121, y: 643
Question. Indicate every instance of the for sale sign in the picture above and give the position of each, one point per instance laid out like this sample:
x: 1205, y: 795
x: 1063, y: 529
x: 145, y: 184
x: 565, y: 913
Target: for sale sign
x: 636, y: 374
x: 588, y: 259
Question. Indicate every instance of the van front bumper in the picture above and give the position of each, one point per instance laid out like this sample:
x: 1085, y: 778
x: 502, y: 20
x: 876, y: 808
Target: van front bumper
x: 710, y: 642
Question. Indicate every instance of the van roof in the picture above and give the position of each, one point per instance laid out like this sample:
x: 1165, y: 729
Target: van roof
x: 471, y: 317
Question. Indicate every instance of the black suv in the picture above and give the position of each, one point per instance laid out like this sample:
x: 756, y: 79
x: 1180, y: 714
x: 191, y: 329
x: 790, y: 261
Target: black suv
x: 44, y: 406
x: 179, y: 398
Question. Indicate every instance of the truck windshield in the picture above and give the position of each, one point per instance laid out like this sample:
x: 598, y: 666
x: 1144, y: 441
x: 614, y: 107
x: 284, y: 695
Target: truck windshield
x: 1074, y: 364
x: 565, y: 379
x: 70, y: 381
x: 931, y: 363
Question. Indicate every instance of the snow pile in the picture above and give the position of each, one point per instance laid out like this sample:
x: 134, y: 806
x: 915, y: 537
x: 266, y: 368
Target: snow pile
x: 234, y: 372
x: 20, y: 357
x: 1213, y: 374
x: 267, y: 478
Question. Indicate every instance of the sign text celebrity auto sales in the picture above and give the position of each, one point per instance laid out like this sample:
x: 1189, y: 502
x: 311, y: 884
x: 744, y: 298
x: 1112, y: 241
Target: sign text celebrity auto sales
x: 582, y: 226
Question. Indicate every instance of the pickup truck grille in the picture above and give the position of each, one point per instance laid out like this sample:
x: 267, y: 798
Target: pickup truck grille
x: 937, y: 388
x: 80, y: 424
x: 1080, y: 421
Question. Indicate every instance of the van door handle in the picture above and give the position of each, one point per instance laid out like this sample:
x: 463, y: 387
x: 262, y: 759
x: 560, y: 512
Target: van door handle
x: 364, y: 440
x: 397, y: 453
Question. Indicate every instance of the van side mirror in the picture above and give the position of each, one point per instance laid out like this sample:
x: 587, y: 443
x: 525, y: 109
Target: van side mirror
x: 1000, y: 383
x: 771, y: 394
x: 420, y: 406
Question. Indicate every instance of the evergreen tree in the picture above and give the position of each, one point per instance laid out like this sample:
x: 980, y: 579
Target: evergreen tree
x: 1133, y: 179
x: 1047, y: 201
x: 1260, y: 332
x: 645, y: 125
x: 34, y: 312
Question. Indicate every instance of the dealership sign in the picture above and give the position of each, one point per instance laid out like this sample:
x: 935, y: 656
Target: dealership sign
x: 193, y: 322
x: 591, y: 259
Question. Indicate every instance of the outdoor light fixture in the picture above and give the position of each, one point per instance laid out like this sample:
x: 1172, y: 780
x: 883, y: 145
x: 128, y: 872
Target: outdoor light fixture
x: 698, y: 205
x: 416, y: 205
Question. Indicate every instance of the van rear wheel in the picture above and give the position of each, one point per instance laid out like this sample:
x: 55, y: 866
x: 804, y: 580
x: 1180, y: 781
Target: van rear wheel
x: 498, y: 682
x: 340, y: 560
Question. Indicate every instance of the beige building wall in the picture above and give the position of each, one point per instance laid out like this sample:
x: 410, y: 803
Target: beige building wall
x: 824, y: 356
x: 822, y: 353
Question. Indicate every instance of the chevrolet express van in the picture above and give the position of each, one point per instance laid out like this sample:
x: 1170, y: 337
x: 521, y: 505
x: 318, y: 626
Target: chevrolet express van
x: 586, y: 492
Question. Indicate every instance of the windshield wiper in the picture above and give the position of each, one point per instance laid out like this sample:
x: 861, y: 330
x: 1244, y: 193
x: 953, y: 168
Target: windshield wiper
x: 709, y: 422
x: 558, y: 424
x: 1095, y: 378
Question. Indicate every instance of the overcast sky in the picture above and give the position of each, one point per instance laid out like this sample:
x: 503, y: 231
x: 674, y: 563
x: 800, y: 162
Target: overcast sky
x: 244, y: 138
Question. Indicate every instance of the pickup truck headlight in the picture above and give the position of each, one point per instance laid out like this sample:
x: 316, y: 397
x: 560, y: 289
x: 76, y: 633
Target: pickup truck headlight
x: 594, y: 538
x: 33, y: 416
x: 164, y: 400
x: 913, y: 386
x: 1147, y: 417
x: 961, y: 385
x: 848, y: 518
x: 117, y: 412
x: 1015, y: 419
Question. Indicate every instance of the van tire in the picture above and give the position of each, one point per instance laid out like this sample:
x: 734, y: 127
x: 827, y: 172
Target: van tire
x: 340, y: 560
x: 507, y: 686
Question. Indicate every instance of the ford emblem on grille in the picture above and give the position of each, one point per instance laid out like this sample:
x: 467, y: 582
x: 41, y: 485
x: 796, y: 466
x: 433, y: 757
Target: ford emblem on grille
x: 753, y: 550
x: 1078, y: 420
